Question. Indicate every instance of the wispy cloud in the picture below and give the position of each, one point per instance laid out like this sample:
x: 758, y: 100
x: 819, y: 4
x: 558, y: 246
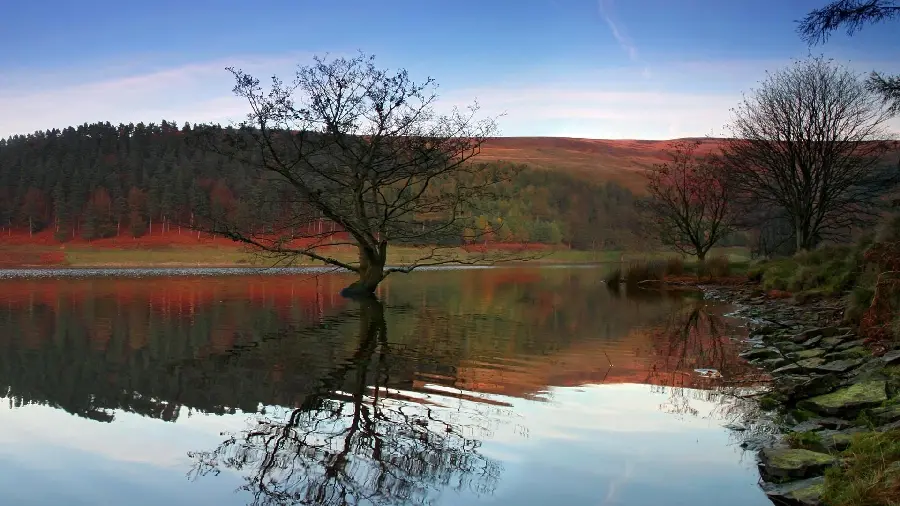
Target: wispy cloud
x: 598, y: 113
x: 618, y: 32
x: 683, y: 99
x: 192, y: 92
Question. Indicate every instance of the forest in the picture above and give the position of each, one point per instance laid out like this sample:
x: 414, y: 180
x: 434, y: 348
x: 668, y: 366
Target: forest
x: 101, y: 180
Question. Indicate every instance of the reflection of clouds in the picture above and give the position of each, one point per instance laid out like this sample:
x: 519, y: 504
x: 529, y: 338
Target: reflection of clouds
x: 128, y: 439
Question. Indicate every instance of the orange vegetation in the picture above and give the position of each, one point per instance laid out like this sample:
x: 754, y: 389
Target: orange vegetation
x: 622, y: 161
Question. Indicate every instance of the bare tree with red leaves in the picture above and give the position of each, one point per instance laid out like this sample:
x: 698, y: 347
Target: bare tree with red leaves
x: 689, y: 200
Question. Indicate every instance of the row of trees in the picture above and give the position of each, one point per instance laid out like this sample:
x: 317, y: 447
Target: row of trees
x: 104, y: 180
x: 807, y: 158
x: 807, y: 162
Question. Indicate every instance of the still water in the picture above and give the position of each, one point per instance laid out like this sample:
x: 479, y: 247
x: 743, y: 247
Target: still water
x: 518, y: 386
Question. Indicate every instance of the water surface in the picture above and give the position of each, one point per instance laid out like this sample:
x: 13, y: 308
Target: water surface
x: 519, y: 386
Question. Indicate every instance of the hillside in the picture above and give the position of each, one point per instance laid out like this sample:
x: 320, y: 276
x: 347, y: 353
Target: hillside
x: 620, y: 161
x: 102, y: 181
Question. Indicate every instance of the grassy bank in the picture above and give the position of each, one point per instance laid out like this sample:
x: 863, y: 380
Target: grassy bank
x: 224, y: 256
x: 722, y: 266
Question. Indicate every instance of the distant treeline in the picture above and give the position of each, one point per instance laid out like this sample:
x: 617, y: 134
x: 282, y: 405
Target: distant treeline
x: 103, y: 180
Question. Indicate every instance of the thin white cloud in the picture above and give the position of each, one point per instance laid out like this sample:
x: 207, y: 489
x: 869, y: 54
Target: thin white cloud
x: 193, y: 92
x: 683, y: 98
x: 617, y: 32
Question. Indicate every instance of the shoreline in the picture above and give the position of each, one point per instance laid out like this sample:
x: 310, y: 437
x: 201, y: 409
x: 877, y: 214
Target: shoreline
x: 827, y: 390
x: 38, y: 272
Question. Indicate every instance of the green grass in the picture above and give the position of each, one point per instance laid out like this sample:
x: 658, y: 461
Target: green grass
x: 804, y: 440
x: 87, y: 256
x: 870, y: 473
x: 828, y: 271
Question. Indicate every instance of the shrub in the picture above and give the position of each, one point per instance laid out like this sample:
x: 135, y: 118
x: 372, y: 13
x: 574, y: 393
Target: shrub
x: 716, y: 267
x: 638, y: 272
x: 675, y: 266
x: 613, y: 278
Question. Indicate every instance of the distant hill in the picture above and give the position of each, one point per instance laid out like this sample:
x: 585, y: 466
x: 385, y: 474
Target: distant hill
x: 621, y: 161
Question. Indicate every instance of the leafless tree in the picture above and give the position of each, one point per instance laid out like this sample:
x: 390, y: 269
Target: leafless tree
x: 853, y: 15
x: 365, y: 150
x: 690, y: 200
x: 810, y: 141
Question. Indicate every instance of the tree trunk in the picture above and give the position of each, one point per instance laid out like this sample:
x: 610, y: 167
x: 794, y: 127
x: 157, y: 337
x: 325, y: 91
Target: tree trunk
x: 371, y: 272
x: 701, y: 255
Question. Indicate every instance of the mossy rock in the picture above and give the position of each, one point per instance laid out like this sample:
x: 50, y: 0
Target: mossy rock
x: 850, y: 344
x: 833, y: 342
x: 850, y: 353
x: 760, y: 354
x: 780, y: 465
x: 805, y: 354
x: 811, y: 363
x: 886, y: 414
x: 840, y: 366
x: 806, y: 492
x: 848, y: 400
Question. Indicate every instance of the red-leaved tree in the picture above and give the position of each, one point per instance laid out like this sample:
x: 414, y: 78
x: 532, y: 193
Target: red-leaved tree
x: 689, y: 200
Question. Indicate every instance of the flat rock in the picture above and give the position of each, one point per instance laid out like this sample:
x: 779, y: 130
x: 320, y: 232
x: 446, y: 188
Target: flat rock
x: 838, y: 440
x: 890, y: 426
x: 891, y: 357
x: 809, y: 343
x: 774, y: 363
x: 833, y: 423
x: 805, y: 354
x: 830, y: 343
x: 850, y: 344
x: 808, y: 426
x: 885, y: 415
x: 760, y: 354
x: 780, y: 465
x: 787, y: 347
x: 811, y: 363
x: 840, y: 366
x: 788, y: 369
x: 806, y: 492
x: 848, y: 400
x: 802, y: 387
x: 849, y: 353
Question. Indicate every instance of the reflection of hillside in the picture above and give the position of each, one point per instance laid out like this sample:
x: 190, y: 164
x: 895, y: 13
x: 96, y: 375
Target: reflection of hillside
x: 219, y: 344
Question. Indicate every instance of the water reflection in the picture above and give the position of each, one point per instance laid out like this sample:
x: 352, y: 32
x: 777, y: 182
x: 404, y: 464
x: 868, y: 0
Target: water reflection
x: 463, y: 386
x: 353, y: 441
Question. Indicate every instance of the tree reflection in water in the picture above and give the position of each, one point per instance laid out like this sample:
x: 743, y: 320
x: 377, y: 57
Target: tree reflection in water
x: 355, y: 442
x: 698, y: 338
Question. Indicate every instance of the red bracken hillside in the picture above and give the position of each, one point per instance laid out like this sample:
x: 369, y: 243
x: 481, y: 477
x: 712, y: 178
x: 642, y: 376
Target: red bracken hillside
x: 622, y: 161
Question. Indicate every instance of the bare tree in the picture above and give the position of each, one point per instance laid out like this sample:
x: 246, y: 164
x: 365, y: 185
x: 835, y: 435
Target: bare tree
x: 690, y: 200
x: 364, y: 150
x: 853, y: 15
x: 810, y: 141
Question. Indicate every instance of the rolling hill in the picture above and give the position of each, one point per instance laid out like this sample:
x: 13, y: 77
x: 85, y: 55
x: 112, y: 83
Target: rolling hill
x: 622, y: 161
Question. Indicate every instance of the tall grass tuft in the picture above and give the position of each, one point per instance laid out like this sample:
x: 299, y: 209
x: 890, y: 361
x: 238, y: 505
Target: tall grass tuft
x: 870, y: 473
x: 641, y: 272
x: 675, y: 266
x: 715, y: 267
x: 613, y: 278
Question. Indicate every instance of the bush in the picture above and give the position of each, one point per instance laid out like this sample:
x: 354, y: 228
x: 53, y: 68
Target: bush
x: 613, y: 278
x: 638, y: 272
x: 675, y: 266
x: 716, y: 267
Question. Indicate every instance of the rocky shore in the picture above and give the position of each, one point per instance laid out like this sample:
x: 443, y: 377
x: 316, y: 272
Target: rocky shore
x: 826, y: 386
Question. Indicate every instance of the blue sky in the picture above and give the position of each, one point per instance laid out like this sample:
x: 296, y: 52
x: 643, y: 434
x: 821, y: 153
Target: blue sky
x: 648, y: 69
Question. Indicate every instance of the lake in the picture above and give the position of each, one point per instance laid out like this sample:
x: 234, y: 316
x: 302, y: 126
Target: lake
x: 508, y: 386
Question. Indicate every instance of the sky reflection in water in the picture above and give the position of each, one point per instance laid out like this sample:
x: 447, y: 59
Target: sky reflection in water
x: 484, y: 394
